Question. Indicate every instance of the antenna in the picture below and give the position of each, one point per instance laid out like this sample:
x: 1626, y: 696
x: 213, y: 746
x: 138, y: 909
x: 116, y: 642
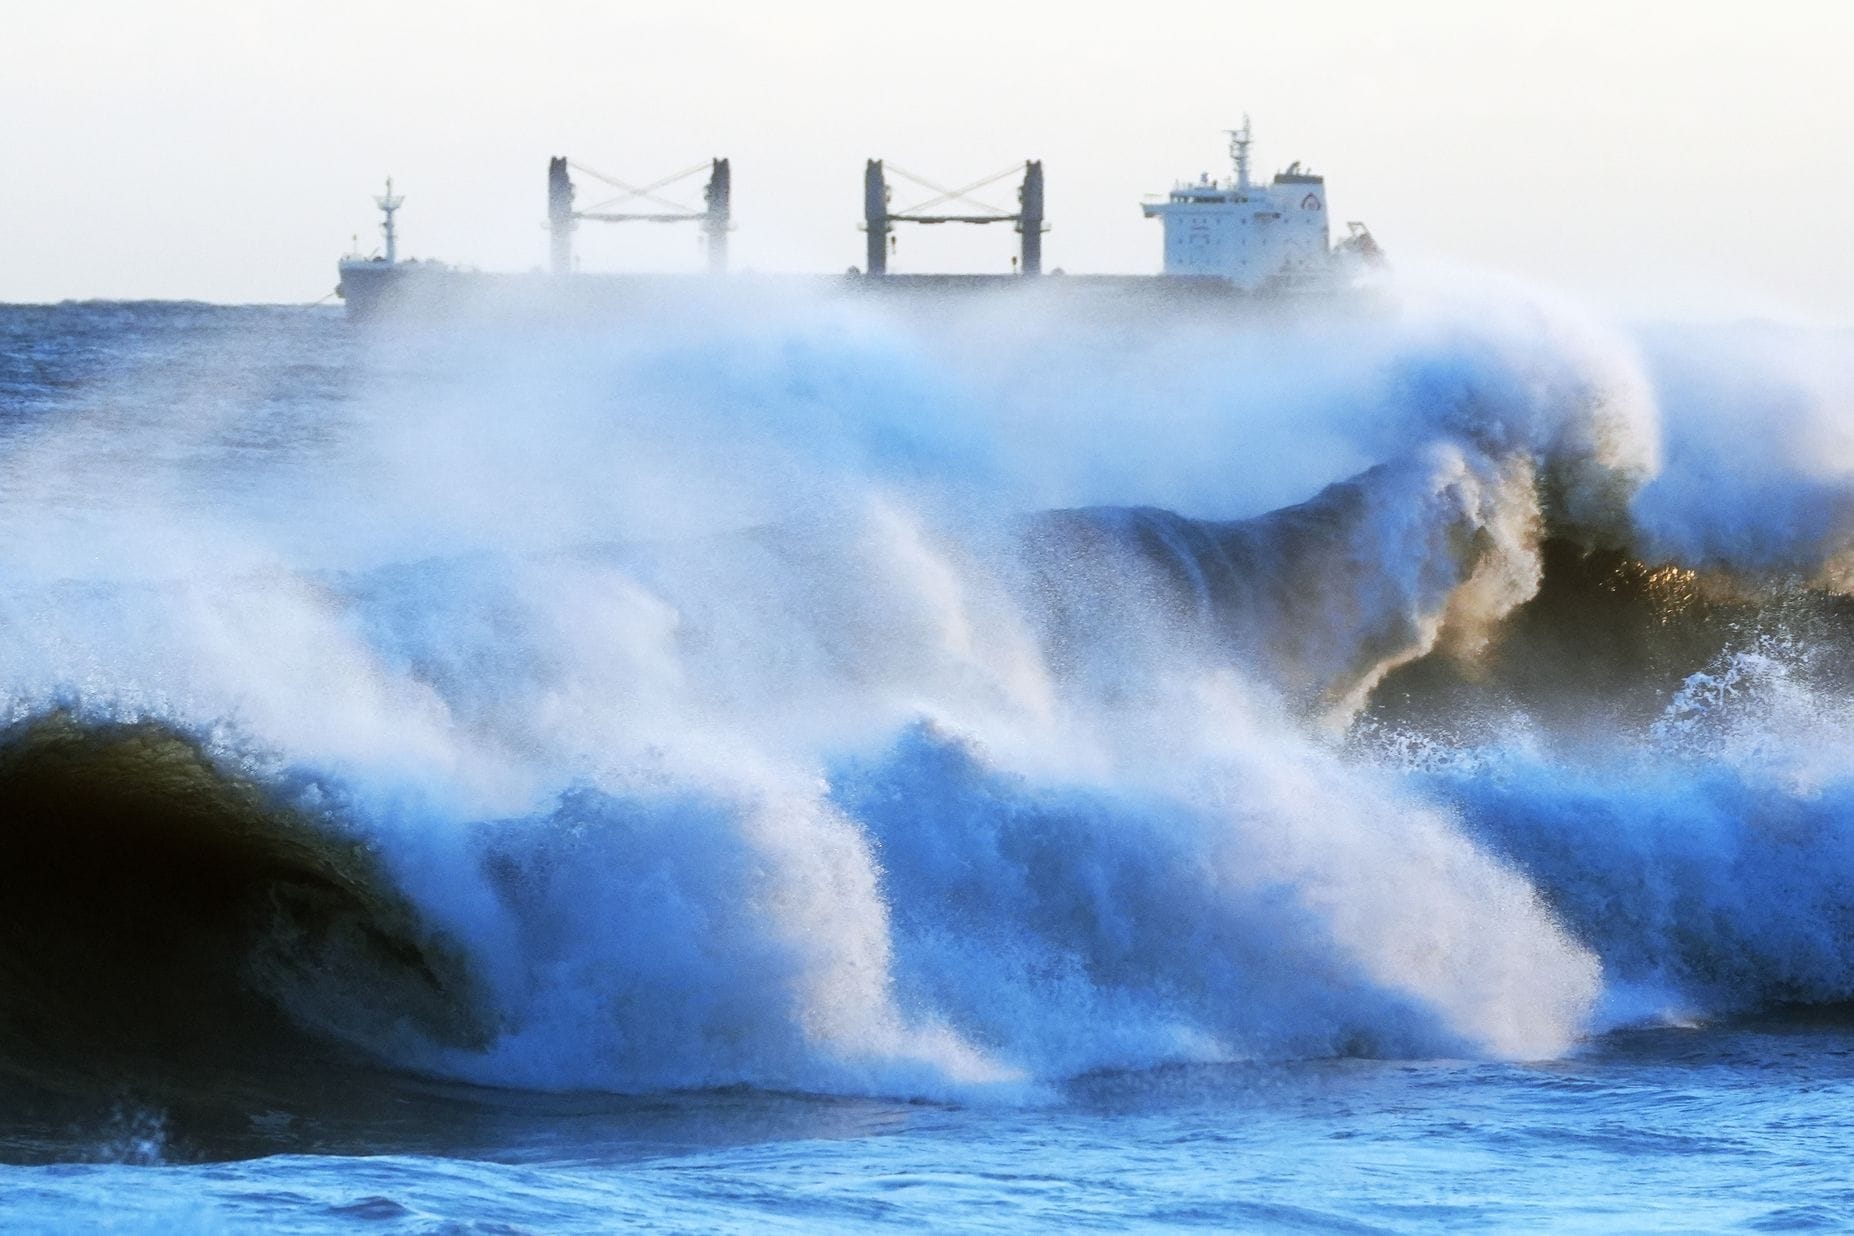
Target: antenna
x: 388, y: 204
x: 1239, y: 151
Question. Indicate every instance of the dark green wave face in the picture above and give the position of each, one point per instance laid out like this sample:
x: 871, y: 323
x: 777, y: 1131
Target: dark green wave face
x: 165, y: 927
x: 1608, y: 640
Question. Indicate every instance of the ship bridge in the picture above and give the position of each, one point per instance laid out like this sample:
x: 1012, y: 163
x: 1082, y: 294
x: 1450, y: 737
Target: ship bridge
x: 1261, y: 237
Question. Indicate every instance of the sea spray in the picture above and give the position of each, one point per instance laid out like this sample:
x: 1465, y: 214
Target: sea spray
x: 822, y: 697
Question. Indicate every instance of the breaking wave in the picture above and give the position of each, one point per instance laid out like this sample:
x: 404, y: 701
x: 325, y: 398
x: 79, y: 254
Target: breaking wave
x: 813, y: 696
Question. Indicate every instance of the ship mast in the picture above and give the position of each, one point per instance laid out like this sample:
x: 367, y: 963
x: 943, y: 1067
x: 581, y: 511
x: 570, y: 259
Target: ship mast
x: 388, y: 204
x: 1239, y: 151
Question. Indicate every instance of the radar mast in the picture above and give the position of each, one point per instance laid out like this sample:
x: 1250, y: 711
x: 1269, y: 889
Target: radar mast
x: 1239, y: 152
x: 388, y: 204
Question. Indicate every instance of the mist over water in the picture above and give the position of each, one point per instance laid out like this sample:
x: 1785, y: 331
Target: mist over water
x: 843, y: 697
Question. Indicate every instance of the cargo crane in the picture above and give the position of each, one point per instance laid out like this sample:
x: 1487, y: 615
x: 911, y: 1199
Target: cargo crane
x: 562, y: 219
x: 879, y: 220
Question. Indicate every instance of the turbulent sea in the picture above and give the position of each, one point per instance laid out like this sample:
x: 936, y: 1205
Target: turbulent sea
x: 822, y: 764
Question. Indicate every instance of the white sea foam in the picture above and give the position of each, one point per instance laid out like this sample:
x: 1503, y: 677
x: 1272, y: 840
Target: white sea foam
x: 715, y: 685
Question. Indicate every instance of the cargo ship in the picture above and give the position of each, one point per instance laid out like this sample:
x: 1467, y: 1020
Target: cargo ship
x: 1234, y: 239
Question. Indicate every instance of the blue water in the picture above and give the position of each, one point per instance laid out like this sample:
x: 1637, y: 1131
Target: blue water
x: 832, y: 764
x: 1677, y: 1130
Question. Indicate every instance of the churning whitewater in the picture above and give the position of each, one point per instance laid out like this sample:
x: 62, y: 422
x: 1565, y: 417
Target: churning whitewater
x: 824, y: 697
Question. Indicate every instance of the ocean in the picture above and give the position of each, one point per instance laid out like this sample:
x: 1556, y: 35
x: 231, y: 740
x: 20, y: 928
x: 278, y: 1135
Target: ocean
x: 823, y: 763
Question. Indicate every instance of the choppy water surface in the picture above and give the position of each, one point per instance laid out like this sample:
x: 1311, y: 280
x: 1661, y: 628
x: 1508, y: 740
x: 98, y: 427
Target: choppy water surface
x: 1665, y: 1130
x: 834, y: 762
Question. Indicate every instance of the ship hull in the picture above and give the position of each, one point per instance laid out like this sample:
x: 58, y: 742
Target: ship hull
x: 379, y: 290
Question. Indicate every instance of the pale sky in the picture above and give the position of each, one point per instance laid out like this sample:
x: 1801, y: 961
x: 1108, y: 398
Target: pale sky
x: 1690, y: 159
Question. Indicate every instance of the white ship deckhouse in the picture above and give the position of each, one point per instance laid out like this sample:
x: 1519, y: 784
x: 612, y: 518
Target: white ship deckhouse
x: 1262, y: 238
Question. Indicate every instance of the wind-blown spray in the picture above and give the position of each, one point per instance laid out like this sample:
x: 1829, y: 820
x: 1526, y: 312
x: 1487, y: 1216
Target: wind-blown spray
x: 820, y: 696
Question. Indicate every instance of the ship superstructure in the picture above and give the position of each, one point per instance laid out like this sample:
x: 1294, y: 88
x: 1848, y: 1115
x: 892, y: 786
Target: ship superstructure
x: 1263, y: 238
